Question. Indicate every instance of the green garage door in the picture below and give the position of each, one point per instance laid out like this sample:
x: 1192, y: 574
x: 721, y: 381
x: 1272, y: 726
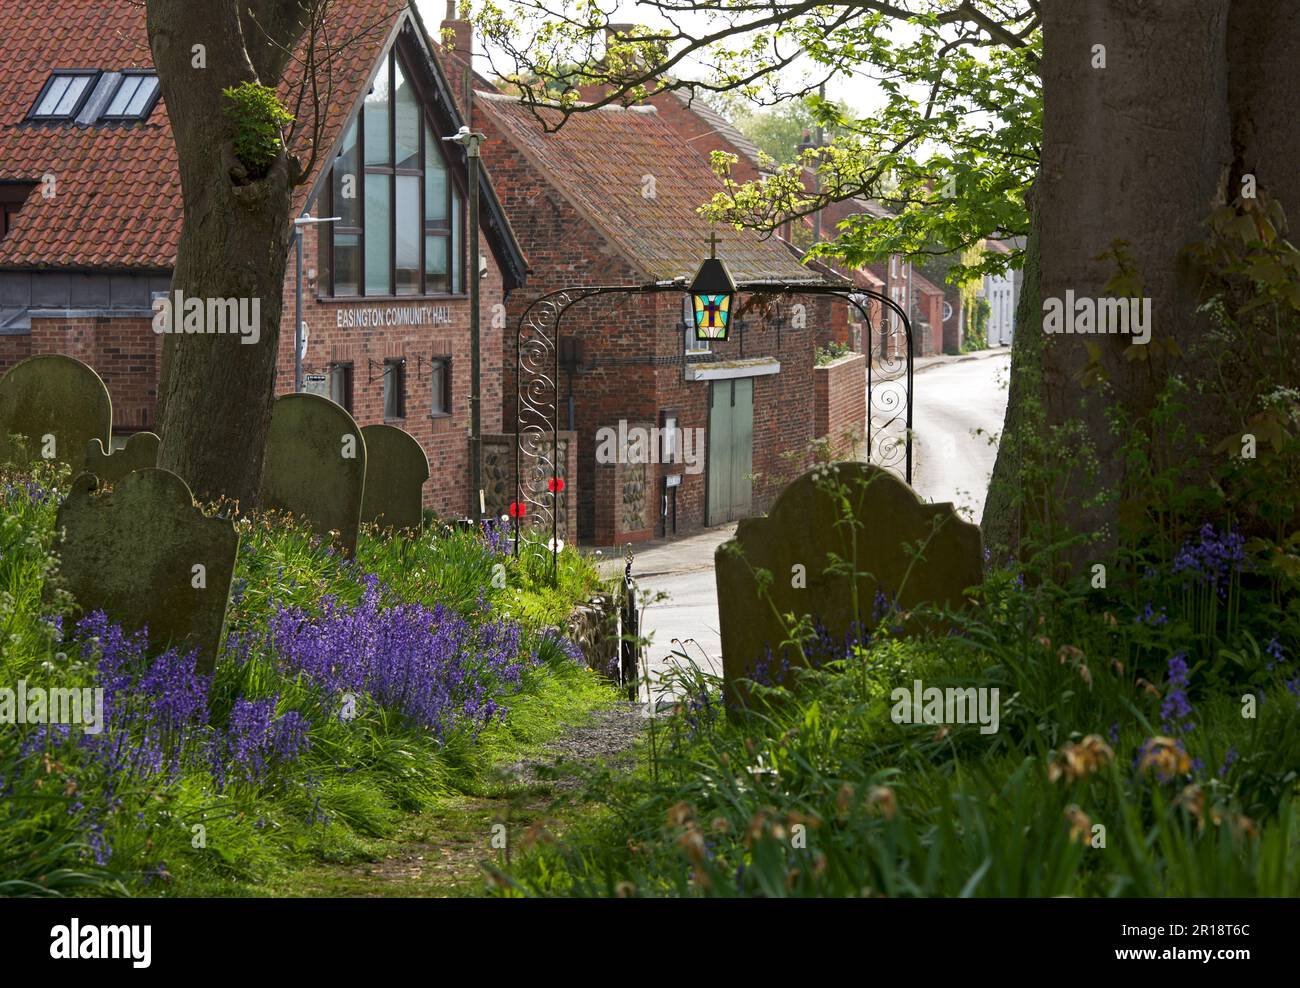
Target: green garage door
x: 730, y: 449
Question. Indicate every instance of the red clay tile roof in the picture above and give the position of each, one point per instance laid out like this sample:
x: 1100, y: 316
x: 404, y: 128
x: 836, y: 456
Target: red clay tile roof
x: 117, y: 201
x: 723, y: 126
x: 600, y: 160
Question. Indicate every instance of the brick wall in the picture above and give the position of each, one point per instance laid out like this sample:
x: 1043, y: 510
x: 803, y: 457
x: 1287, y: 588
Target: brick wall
x: 125, y: 352
x: 444, y: 438
x: 13, y: 349
x: 841, y: 404
x: 632, y: 366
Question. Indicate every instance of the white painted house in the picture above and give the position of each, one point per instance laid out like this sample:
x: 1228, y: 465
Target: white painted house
x: 1003, y: 295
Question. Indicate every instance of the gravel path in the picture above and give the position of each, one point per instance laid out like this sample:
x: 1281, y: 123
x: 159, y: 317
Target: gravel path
x: 610, y: 736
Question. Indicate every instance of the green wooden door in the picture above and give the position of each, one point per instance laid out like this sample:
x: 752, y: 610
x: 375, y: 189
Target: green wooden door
x: 730, y: 449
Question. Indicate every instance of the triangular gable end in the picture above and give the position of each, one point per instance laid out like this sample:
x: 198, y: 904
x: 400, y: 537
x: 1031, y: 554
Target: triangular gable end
x: 407, y: 40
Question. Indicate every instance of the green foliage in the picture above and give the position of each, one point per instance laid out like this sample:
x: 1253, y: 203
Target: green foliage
x: 976, y: 336
x: 1159, y: 701
x: 780, y: 130
x: 952, y: 150
x: 830, y: 353
x: 185, y: 835
x: 259, y: 119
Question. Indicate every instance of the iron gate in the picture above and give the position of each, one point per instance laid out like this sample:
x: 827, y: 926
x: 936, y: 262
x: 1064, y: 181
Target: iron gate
x: 539, y: 483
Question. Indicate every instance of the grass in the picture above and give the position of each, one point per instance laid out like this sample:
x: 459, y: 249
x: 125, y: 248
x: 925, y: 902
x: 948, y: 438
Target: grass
x: 74, y: 823
x: 1148, y: 745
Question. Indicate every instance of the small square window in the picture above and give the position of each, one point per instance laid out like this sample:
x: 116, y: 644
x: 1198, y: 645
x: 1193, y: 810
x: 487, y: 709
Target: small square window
x: 134, y: 98
x: 64, y: 95
x: 440, y: 385
x: 693, y: 345
x: 395, y: 389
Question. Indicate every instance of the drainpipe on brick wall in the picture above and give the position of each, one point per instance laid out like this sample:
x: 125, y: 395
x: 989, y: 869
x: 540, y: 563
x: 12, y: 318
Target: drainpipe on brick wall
x: 471, y: 141
x: 298, y: 341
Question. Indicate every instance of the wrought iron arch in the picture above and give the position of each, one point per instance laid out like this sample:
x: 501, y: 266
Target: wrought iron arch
x: 539, y: 480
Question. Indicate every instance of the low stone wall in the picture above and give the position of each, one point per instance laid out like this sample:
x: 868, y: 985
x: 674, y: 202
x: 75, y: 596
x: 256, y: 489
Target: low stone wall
x: 593, y: 627
x: 840, y: 404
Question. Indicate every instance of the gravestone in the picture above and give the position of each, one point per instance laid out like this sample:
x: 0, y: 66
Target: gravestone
x: 139, y: 453
x: 58, y: 404
x: 396, y: 469
x: 148, y: 557
x: 316, y: 466
x: 795, y: 542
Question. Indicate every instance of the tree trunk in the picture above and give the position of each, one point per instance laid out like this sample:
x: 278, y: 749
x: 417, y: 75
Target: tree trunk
x: 1138, y: 151
x: 1003, y: 521
x: 216, y: 390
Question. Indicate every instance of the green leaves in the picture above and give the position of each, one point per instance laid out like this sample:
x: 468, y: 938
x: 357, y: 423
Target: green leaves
x: 259, y: 120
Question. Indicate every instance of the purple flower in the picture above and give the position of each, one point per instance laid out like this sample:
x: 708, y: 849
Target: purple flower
x: 1150, y: 616
x: 430, y: 664
x: 1275, y: 652
x: 497, y: 535
x: 1176, y: 705
x: 1228, y: 761
x: 255, y: 740
x: 1213, y: 559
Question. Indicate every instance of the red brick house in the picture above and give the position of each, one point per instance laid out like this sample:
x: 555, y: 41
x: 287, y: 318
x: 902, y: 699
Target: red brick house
x: 935, y: 324
x: 612, y: 199
x: 90, y: 217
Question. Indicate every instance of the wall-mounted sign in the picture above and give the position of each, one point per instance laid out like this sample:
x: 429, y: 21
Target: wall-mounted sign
x: 673, y: 480
x: 316, y: 384
x: 393, y: 315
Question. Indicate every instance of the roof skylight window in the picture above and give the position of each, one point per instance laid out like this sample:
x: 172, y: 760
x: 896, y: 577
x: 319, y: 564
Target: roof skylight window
x: 134, y: 99
x: 64, y: 95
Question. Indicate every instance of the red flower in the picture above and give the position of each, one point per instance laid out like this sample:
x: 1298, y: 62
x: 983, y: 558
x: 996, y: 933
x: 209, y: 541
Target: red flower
x: 555, y: 485
x: 517, y: 509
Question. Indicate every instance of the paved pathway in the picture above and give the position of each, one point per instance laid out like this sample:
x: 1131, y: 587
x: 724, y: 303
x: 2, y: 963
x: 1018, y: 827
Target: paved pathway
x: 954, y: 397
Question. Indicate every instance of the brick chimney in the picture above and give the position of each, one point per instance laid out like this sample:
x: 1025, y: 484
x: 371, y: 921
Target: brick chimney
x: 626, y: 32
x: 456, y: 35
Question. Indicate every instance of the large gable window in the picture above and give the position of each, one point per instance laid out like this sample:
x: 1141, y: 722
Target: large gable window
x: 399, y: 230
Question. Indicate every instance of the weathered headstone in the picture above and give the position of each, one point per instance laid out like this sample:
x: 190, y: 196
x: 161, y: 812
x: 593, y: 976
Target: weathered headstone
x: 316, y: 466
x: 795, y: 543
x: 396, y: 469
x: 57, y: 404
x: 148, y: 557
x: 139, y: 453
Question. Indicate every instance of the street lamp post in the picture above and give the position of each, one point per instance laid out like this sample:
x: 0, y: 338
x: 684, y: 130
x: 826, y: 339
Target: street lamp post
x: 471, y: 141
x: 298, y: 223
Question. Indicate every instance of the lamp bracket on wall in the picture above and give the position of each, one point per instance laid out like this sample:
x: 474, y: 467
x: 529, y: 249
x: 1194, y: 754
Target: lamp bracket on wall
x: 371, y: 364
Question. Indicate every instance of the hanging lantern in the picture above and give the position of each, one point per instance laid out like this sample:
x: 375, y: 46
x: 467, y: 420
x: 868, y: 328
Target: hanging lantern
x: 712, y: 293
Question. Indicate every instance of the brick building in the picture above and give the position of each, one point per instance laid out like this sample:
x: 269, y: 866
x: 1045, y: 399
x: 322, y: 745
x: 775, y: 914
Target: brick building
x: 611, y: 199
x: 90, y: 217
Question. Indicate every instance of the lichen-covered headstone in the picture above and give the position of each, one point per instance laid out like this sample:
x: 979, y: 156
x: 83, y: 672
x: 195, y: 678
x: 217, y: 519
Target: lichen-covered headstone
x: 799, y: 542
x: 316, y: 466
x: 139, y: 453
x: 148, y: 557
x: 396, y: 469
x: 57, y: 404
